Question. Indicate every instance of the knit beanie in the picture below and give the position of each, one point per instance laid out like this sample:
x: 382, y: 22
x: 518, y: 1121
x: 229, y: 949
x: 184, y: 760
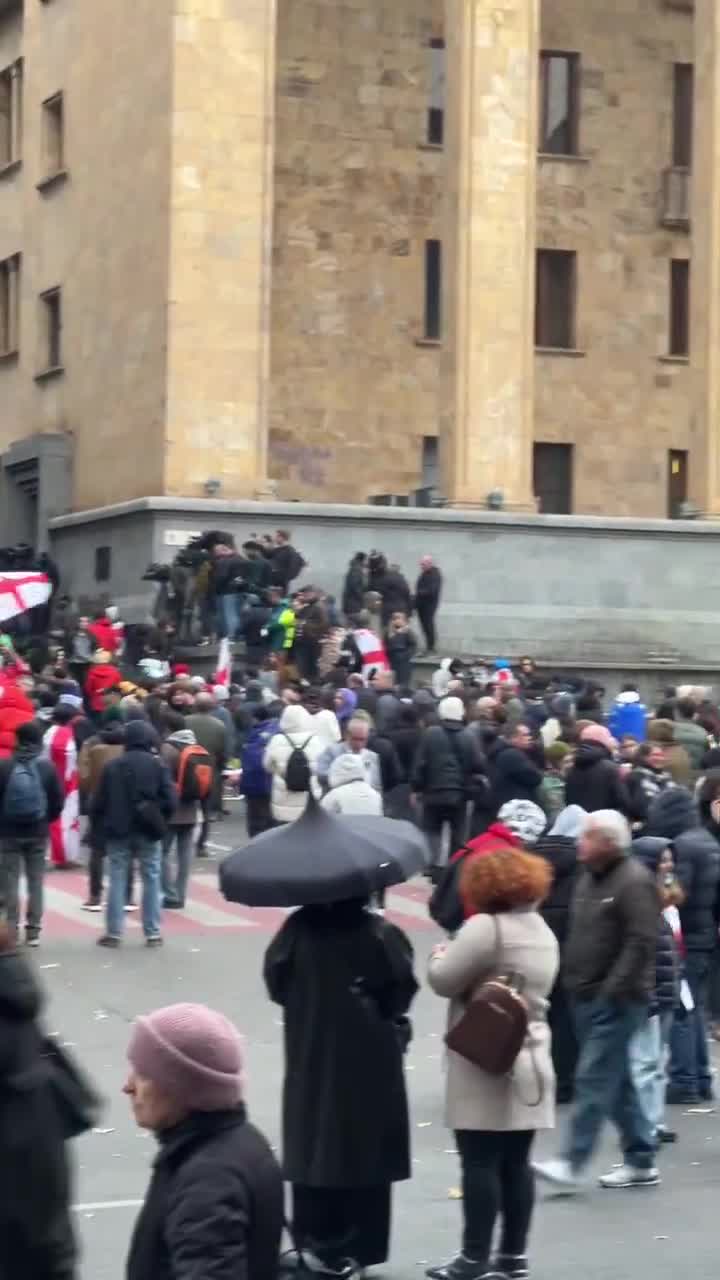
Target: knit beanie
x: 192, y: 1052
x: 556, y: 752
x: 526, y: 820
x: 599, y: 734
x: 452, y: 709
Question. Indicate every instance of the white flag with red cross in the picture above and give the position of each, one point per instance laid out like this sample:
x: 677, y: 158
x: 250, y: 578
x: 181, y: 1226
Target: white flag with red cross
x: 21, y: 591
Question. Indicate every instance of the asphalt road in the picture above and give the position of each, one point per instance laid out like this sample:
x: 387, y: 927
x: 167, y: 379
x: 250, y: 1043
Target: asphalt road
x: 94, y: 995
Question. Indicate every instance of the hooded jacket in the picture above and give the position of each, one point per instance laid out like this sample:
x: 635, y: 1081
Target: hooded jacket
x: 138, y: 774
x: 95, y: 753
x: 296, y: 730
x: 513, y: 774
x: 100, y: 677
x: 15, y: 709
x: 54, y: 795
x: 594, y: 781
x: 697, y: 864
x: 350, y: 792
x: 184, y: 815
x: 628, y: 716
x: 36, y: 1237
x: 353, y: 596
x: 449, y: 764
x: 648, y: 850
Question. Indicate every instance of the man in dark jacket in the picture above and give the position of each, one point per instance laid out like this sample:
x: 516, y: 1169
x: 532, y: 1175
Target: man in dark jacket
x: 428, y: 590
x: 133, y: 803
x: 697, y: 867
x: 229, y: 585
x: 609, y: 969
x: 648, y: 1048
x: 396, y: 595
x: 512, y: 771
x: 31, y: 797
x: 355, y: 586
x: 210, y: 734
x: 285, y: 561
x: 559, y: 848
x: 215, y: 1202
x: 449, y: 770
x: 36, y: 1234
x: 594, y: 781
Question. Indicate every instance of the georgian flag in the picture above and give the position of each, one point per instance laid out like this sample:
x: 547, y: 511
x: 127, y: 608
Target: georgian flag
x: 21, y: 591
x: 224, y: 667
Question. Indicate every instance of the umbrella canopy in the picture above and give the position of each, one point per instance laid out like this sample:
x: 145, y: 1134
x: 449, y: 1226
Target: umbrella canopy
x: 21, y: 591
x: 321, y: 859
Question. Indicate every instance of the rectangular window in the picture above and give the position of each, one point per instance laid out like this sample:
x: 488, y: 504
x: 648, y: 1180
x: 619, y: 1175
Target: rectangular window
x: 683, y: 77
x: 677, y: 483
x: 103, y: 563
x: 436, y: 108
x: 10, y: 113
x: 552, y: 478
x: 555, y: 289
x: 559, y: 103
x: 433, y: 289
x: 10, y: 306
x: 679, y: 307
x: 51, y: 351
x: 54, y: 134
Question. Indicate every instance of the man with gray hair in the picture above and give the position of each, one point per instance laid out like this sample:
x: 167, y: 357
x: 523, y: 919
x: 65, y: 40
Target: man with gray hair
x: 609, y: 972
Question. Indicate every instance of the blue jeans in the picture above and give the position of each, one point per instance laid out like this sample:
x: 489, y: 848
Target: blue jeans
x: 648, y: 1051
x: 175, y: 882
x: 689, y: 1063
x: 120, y: 853
x: 604, y: 1088
x: 229, y: 615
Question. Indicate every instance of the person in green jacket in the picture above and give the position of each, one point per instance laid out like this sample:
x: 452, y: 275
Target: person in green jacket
x: 281, y: 626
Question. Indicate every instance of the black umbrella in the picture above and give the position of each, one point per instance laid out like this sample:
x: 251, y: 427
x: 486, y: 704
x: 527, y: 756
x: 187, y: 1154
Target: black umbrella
x: 321, y: 859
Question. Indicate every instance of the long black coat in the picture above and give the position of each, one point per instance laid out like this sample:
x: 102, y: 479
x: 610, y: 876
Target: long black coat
x: 561, y: 853
x: 342, y: 976
x: 594, y: 782
x: 214, y: 1206
x: 36, y: 1238
x: 697, y: 865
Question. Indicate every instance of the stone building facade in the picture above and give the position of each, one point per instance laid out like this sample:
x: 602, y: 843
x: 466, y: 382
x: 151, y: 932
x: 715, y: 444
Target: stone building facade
x: 257, y: 248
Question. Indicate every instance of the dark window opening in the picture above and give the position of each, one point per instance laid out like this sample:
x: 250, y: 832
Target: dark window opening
x: 683, y: 77
x: 679, y: 307
x: 51, y: 357
x: 677, y: 483
x: 433, y: 288
x: 559, y: 103
x: 103, y: 564
x: 436, y: 107
x: 555, y: 289
x: 552, y: 478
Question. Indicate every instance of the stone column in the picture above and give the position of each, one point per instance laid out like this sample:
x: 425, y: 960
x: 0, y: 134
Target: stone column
x: 704, y: 461
x: 486, y: 387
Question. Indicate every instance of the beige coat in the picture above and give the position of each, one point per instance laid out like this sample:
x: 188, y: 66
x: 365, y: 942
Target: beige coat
x: 474, y: 1099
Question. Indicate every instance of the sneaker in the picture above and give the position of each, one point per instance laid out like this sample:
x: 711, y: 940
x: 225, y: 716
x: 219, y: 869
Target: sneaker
x: 108, y: 940
x: 665, y: 1135
x: 627, y: 1175
x: 92, y: 904
x: 130, y: 906
x: 154, y: 942
x: 172, y: 904
x: 560, y: 1174
x: 32, y: 941
x: 462, y: 1268
x: 513, y: 1265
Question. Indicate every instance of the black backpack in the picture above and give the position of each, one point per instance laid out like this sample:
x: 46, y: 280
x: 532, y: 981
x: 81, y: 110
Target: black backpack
x: 298, y: 772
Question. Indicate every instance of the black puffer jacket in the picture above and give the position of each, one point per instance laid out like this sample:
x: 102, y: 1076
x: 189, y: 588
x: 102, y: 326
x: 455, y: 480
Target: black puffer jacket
x: 36, y: 1237
x: 594, y: 782
x: 697, y: 864
x: 513, y: 774
x: 648, y: 849
x: 214, y: 1206
x: 561, y: 853
x: 449, y: 765
x: 136, y: 775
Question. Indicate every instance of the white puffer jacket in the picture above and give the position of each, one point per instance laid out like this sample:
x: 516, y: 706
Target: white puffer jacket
x: 296, y: 730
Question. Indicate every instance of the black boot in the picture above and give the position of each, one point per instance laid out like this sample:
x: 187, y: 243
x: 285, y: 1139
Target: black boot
x: 513, y: 1265
x: 462, y: 1268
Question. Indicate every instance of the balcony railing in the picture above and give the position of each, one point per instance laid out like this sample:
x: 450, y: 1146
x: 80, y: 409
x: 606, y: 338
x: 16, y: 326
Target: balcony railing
x: 675, y: 212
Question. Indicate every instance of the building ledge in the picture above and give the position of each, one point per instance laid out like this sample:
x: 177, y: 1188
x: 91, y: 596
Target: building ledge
x: 431, y: 146
x: 47, y: 375
x: 554, y: 156
x: 7, y: 170
x: 668, y: 359
x: 52, y: 180
x: 428, y: 342
x: 573, y: 352
x: 9, y: 357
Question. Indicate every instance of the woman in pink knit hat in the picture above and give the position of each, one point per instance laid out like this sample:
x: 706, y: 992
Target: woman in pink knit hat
x: 595, y: 781
x: 215, y: 1200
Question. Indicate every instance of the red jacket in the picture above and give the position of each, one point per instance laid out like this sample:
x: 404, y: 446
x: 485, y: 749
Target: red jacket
x: 15, y: 709
x: 497, y: 836
x: 99, y: 678
x: 104, y: 633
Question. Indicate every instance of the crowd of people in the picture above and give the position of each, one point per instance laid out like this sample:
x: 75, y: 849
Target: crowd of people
x: 572, y: 844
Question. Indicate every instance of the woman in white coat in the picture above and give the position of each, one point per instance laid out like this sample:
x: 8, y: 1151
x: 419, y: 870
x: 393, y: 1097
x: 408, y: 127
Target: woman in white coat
x: 296, y: 729
x: 495, y: 1117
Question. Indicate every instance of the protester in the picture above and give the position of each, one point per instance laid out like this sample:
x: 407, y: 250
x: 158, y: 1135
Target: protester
x: 280, y: 627
x: 96, y: 752
x: 295, y: 748
x: 177, y: 843
x: 594, y: 781
x: 60, y: 747
x: 448, y: 769
x: 401, y: 646
x: 609, y: 969
x: 344, y: 978
x: 559, y: 848
x: 31, y: 798
x: 688, y: 733
x: 104, y: 633
x: 648, y: 777
x: 36, y: 1232
x: 495, y: 1118
x: 551, y: 794
x: 674, y: 817
x: 256, y: 782
x: 133, y: 804
x: 628, y: 715
x: 428, y: 590
x: 211, y: 734
x: 286, y: 562
x: 677, y: 760
x: 513, y: 773
x: 103, y: 675
x: 353, y: 597
x: 350, y: 793
x: 371, y: 649
x: 215, y: 1202
x: 15, y: 709
x: 355, y: 740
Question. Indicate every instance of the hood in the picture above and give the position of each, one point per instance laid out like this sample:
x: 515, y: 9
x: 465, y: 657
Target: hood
x: 348, y: 703
x: 671, y: 813
x: 649, y: 850
x: 589, y: 754
x: 570, y: 822
x: 496, y: 836
x: 140, y: 735
x: 445, y: 664
x: 182, y: 738
x: 20, y: 997
x: 562, y: 705
x: 113, y: 735
x: 327, y: 727
x: 28, y: 752
x: 452, y: 711
x: 296, y: 719
x: 629, y: 696
x: 347, y: 768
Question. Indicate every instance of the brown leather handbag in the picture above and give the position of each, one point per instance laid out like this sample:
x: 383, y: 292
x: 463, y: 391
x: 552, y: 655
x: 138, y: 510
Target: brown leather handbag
x: 494, y: 1024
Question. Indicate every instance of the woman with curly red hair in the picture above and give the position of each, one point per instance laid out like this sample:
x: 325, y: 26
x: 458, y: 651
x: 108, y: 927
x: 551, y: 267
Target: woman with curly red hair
x: 495, y: 1117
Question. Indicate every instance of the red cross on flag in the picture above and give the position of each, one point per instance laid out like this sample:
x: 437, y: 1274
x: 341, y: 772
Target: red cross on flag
x: 21, y: 591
